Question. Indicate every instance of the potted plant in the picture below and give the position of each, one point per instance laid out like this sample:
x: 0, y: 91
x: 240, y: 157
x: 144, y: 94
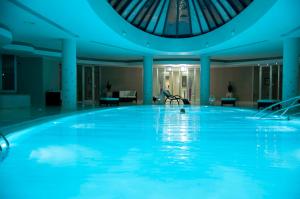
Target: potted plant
x: 108, y: 89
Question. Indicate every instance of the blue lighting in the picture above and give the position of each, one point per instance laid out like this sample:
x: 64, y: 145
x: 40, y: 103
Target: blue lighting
x: 207, y: 151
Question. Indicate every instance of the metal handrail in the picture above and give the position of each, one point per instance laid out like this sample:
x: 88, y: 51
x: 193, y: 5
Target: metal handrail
x: 293, y: 103
x: 285, y: 110
x: 291, y: 106
x: 5, y: 140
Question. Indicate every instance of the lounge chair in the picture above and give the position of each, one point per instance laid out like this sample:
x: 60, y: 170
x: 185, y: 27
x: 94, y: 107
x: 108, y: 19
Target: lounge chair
x: 176, y: 98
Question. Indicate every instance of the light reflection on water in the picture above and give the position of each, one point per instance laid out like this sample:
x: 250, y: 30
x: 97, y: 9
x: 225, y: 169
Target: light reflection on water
x: 156, y: 152
x: 64, y: 155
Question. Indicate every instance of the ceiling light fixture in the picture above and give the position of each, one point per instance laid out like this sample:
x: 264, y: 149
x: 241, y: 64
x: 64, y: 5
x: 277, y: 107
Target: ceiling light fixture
x: 232, y: 32
x: 29, y: 22
x: 183, y: 68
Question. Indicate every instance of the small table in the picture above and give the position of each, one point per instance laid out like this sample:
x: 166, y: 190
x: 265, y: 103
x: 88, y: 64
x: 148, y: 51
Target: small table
x: 53, y: 98
x: 231, y: 101
x: 264, y: 103
x: 109, y: 101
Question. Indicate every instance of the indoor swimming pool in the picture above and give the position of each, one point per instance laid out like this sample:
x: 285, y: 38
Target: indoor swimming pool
x: 155, y: 152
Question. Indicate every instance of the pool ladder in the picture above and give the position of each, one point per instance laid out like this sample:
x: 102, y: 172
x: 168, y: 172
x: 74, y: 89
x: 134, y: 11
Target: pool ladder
x: 4, y: 147
x: 286, y: 109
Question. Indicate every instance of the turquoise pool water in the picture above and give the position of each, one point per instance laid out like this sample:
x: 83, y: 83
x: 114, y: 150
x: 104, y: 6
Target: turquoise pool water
x: 155, y: 152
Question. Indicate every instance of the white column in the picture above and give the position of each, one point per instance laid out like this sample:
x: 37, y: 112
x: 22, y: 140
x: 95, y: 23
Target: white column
x: 278, y: 82
x: 69, y: 84
x: 204, y: 80
x: 260, y: 82
x: 290, y: 84
x: 148, y: 71
x: 271, y: 83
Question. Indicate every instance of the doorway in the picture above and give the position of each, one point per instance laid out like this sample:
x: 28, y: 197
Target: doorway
x: 270, y: 78
x: 88, y: 78
x: 179, y: 80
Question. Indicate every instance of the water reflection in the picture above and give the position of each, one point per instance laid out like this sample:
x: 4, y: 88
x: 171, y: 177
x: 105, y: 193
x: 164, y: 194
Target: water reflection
x: 177, y: 127
x: 220, y: 186
x: 178, y: 134
x: 269, y: 139
x: 65, y: 155
x: 84, y: 126
x: 145, y: 153
x: 276, y: 128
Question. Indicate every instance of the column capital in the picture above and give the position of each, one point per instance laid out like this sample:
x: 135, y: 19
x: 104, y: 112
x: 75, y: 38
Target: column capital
x: 204, y: 57
x: 148, y: 58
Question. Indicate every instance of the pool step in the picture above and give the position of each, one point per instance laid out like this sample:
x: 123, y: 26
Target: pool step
x: 4, y: 147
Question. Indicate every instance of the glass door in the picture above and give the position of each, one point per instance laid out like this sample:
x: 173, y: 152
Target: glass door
x: 270, y: 82
x: 179, y: 80
x: 176, y: 83
x: 88, y: 85
x: 265, y: 83
x: 88, y: 88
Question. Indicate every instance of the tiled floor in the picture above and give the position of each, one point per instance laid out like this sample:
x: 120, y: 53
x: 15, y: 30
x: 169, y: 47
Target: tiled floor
x: 10, y: 117
x: 13, y: 117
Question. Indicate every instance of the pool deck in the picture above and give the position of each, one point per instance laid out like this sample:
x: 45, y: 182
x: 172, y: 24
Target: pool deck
x: 17, y: 118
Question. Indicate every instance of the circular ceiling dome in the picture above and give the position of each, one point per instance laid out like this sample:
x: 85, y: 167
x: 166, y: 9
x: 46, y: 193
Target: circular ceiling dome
x: 178, y: 18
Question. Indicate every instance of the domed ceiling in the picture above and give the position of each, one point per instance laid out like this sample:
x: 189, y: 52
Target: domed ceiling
x: 178, y: 18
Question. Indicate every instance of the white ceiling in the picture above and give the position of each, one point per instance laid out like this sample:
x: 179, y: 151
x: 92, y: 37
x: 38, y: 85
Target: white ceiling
x: 42, y: 24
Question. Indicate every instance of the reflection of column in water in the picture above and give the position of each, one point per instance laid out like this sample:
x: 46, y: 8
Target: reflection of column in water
x: 190, y: 83
x: 266, y: 142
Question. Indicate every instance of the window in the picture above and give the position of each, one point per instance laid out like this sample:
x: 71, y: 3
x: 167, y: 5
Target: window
x: 178, y: 18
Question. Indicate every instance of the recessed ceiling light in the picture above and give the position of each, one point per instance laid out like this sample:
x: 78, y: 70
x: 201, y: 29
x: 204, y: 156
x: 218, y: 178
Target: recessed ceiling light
x: 29, y: 22
x: 183, y: 68
x: 232, y: 32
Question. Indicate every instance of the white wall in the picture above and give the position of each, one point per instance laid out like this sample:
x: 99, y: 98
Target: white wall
x: 241, y: 79
x: 122, y: 78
